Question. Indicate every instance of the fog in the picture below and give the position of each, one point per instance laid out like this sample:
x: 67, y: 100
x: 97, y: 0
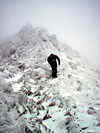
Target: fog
x: 76, y: 22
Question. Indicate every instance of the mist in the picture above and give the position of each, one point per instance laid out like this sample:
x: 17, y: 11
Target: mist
x: 76, y: 22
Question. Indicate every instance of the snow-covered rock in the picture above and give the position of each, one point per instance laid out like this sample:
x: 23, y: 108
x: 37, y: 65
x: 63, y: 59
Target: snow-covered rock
x: 31, y: 101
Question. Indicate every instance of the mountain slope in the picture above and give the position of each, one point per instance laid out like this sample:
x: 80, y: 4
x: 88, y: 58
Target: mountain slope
x: 32, y: 102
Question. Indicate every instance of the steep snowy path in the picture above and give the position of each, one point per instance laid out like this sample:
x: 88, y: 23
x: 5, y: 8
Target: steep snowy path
x: 62, y: 102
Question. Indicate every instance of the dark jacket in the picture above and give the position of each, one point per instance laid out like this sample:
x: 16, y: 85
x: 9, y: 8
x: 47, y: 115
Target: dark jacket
x: 52, y: 60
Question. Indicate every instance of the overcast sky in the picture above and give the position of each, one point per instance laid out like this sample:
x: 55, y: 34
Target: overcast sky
x: 76, y: 22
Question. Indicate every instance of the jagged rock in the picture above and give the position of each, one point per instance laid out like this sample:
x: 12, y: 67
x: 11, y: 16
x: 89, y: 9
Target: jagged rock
x: 29, y: 93
x: 37, y: 131
x: 21, y: 66
x: 84, y: 128
x: 41, y: 100
x: 91, y: 110
x: 98, y: 124
x: 28, y: 130
x: 67, y: 113
x: 41, y: 108
x: 68, y: 120
x: 53, y: 103
x: 37, y: 93
x: 47, y: 115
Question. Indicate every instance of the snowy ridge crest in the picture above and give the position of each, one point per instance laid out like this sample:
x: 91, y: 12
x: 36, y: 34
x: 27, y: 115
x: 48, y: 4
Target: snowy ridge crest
x: 33, y: 37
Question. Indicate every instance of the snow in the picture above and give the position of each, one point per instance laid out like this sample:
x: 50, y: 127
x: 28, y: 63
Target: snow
x: 15, y: 78
x: 31, y: 101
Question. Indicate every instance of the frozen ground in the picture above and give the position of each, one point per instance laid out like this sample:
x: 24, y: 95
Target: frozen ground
x: 32, y: 102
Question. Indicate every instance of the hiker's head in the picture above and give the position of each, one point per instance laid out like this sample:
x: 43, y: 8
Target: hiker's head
x: 51, y: 54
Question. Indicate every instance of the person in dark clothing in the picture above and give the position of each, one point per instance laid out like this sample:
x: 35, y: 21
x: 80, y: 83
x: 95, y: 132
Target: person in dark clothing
x: 52, y: 60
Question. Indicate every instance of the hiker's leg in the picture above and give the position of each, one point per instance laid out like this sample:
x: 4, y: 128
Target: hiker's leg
x: 54, y: 72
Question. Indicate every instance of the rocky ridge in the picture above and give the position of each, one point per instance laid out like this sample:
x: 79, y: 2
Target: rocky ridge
x: 31, y: 101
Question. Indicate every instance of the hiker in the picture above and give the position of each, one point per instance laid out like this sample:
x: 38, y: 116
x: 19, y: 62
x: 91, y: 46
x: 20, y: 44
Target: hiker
x: 53, y: 63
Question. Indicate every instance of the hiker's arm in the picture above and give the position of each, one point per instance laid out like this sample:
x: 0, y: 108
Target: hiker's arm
x: 48, y: 59
x: 58, y: 59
